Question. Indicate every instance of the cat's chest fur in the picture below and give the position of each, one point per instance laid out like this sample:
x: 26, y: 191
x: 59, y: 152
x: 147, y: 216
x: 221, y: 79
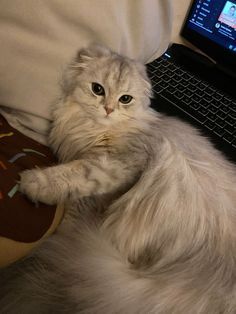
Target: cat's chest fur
x: 97, y: 138
x: 74, y: 135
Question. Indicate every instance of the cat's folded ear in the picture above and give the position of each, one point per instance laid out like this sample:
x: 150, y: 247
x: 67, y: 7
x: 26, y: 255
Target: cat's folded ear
x: 93, y: 51
x: 81, y: 61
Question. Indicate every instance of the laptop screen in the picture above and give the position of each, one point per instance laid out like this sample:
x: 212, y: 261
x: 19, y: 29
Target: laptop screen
x: 211, y: 26
x: 215, y: 20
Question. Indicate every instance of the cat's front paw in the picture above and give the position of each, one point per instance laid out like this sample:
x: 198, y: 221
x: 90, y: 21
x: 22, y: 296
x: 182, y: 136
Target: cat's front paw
x: 35, y: 185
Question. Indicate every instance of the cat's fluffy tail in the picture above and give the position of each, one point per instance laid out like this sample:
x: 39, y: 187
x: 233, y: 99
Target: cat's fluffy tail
x: 101, y: 280
x: 78, y: 272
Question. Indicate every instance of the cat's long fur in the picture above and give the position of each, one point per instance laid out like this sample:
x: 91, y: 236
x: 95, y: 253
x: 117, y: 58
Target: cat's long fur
x: 151, y: 220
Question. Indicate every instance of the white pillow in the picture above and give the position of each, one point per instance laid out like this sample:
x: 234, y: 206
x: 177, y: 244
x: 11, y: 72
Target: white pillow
x: 38, y: 38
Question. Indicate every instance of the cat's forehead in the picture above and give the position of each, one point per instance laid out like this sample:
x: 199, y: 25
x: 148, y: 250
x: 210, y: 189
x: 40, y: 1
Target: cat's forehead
x: 114, y: 72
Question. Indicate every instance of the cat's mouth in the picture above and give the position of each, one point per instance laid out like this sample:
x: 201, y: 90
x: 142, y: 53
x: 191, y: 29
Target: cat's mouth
x: 107, y: 116
x: 108, y: 112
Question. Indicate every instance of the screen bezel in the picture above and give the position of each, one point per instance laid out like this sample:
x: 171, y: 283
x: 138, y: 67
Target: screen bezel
x: 220, y: 54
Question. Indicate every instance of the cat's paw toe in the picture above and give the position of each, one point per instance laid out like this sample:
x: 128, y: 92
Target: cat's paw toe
x: 34, y: 184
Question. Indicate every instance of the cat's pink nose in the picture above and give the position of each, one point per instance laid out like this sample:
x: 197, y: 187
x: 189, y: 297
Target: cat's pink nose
x: 108, y: 110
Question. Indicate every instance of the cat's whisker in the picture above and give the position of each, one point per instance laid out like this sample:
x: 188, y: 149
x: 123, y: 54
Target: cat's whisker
x: 129, y: 116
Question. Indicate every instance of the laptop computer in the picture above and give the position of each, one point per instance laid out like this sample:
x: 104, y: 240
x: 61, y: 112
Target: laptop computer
x: 197, y: 87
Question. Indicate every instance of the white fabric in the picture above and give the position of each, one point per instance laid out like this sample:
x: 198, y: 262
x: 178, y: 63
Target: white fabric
x: 39, y: 37
x: 180, y: 9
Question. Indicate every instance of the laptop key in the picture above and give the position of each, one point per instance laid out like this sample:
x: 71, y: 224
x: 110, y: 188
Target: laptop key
x: 229, y: 128
x: 204, y: 103
x: 202, y: 85
x: 163, y: 84
x: 151, y: 76
x: 210, y: 125
x: 233, y: 106
x: 187, y: 76
x: 230, y: 120
x: 200, y: 93
x: 213, y: 109
x: 226, y: 101
x: 216, y: 103
x: 219, y: 131
x: 217, y: 96
x: 200, y: 118
x: 194, y: 81
x: 192, y: 87
x: 171, y: 90
x: 225, y: 109
x: 228, y: 137
x: 209, y: 91
x: 232, y: 114
x: 208, y: 98
x: 166, y: 63
x: 158, y: 73
x: 169, y: 73
x: 172, y: 67
x: 203, y: 111
x: 195, y: 106
x: 220, y: 123
x: 173, y: 83
x: 181, y: 88
x: 179, y: 72
x: 166, y: 78
x: 157, y: 88
x: 221, y: 114
x: 211, y: 116
x: 151, y: 67
x: 196, y: 98
x: 188, y: 93
x: 178, y: 95
x: 234, y: 143
x: 187, y: 100
x: 176, y: 77
x: 197, y: 116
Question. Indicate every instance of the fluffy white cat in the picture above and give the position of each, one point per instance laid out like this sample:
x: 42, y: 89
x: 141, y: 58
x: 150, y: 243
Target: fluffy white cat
x: 150, y: 225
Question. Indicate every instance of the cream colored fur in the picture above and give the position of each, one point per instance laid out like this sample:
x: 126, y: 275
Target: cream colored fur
x: 151, y: 207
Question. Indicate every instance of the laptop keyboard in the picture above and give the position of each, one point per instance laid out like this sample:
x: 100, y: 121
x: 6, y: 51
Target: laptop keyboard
x: 207, y: 105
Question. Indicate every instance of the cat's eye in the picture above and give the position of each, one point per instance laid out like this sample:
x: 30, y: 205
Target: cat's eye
x: 125, y: 99
x: 98, y: 89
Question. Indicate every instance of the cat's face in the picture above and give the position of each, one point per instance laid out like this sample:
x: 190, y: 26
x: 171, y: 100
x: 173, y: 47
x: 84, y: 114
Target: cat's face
x: 108, y: 86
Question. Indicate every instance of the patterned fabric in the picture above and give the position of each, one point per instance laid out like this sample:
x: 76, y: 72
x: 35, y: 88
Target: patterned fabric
x: 20, y: 219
